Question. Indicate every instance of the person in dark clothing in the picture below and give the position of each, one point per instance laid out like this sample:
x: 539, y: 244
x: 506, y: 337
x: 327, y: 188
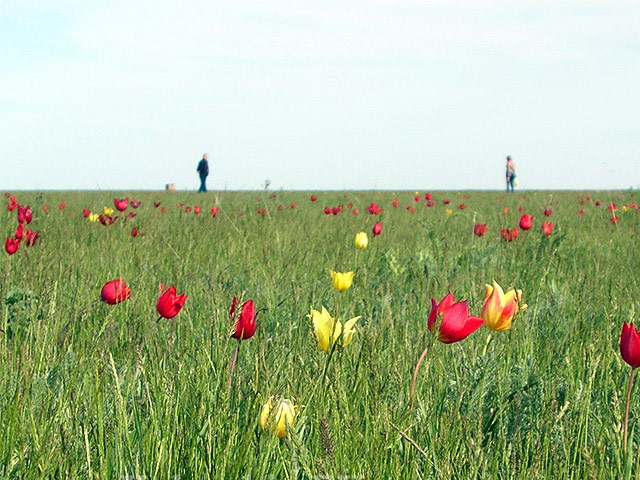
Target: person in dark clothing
x: 203, y: 170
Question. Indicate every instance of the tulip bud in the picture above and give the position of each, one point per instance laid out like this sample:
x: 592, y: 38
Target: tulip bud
x: 526, y: 221
x: 361, y: 240
x: 246, y: 325
x: 377, y: 229
x: 630, y: 345
x: 341, y: 281
x: 169, y: 304
x: 279, y: 418
x: 115, y: 291
x: 11, y: 245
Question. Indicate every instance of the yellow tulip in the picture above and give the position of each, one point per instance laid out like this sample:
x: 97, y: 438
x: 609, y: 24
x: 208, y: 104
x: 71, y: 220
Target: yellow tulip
x: 93, y: 217
x: 341, y: 281
x: 625, y: 208
x: 108, y: 211
x: 449, y: 211
x: 361, y: 240
x: 499, y: 308
x: 277, y: 419
x: 328, y: 329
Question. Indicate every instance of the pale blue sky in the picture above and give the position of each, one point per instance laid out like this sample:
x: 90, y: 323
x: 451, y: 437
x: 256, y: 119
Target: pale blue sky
x: 316, y: 95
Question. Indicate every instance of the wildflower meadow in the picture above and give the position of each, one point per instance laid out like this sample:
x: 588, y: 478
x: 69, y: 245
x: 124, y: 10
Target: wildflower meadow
x: 319, y: 335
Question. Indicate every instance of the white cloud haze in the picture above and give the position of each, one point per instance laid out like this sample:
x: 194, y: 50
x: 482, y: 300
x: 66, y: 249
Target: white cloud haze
x: 319, y: 95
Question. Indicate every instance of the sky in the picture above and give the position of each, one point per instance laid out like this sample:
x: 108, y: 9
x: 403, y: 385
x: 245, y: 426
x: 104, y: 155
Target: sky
x: 319, y: 95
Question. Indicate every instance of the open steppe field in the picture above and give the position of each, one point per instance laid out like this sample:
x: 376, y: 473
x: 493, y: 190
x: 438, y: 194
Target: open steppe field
x: 99, y: 383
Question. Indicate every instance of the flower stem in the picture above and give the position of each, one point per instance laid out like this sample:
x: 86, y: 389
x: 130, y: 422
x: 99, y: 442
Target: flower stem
x: 415, y: 374
x: 486, y: 345
x: 233, y: 364
x: 626, y: 410
x: 151, y: 329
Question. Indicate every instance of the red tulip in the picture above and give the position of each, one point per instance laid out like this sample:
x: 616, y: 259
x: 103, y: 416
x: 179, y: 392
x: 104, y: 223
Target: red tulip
x: 245, y: 325
x: 327, y: 211
x: 630, y: 345
x: 31, y: 237
x: 581, y: 211
x: 121, y: 204
x: 509, y: 235
x: 134, y: 232
x: 232, y: 309
x: 520, y: 208
x: 12, y: 206
x: 411, y: 209
x: 156, y: 204
x: 547, y: 228
x: 526, y: 221
x: 377, y: 229
x: 11, y: 245
x: 45, y: 208
x: 396, y: 203
x: 115, y: 291
x: 292, y: 206
x: 86, y: 212
x: 24, y: 214
x: 446, y: 201
x: 614, y: 220
x: 548, y: 212
x: 374, y: 209
x: 62, y: 206
x: 187, y: 209
x: 107, y: 219
x: 597, y: 203
x: 196, y: 209
x: 280, y: 207
x: 428, y: 196
x: 455, y: 323
x: 19, y: 232
x: 135, y: 204
x: 356, y: 211
x: 417, y: 198
x: 169, y: 304
x: 479, y: 229
x: 313, y: 198
x: 431, y: 203
x: 335, y: 210
x: 262, y: 211
x: 462, y: 206
x: 612, y: 207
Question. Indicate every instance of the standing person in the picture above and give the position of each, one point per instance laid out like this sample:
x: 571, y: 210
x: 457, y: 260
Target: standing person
x: 511, y: 173
x: 203, y: 170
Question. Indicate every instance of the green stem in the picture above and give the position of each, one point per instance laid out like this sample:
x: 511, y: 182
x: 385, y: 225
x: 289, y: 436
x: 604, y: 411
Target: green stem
x: 626, y: 410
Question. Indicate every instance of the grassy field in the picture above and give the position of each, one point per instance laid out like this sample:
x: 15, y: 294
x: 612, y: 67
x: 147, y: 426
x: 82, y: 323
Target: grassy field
x: 83, y: 396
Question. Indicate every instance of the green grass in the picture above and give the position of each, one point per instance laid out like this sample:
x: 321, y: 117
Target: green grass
x: 79, y: 398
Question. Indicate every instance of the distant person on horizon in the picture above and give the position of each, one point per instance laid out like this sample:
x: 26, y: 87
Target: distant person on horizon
x: 203, y: 170
x: 511, y: 173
